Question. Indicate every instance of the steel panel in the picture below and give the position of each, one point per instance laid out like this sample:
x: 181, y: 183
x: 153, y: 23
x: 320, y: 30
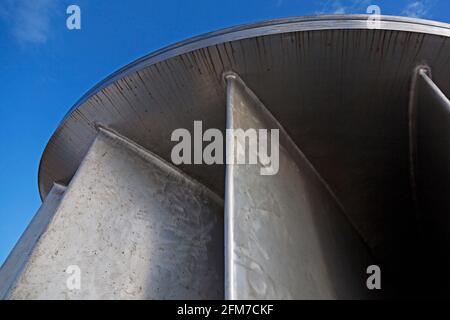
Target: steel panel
x: 17, y: 260
x: 341, y: 91
x: 287, y: 236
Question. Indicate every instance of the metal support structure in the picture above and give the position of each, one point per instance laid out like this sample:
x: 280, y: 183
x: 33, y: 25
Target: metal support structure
x: 353, y: 168
x: 430, y: 174
x: 20, y: 255
x: 287, y: 236
x: 433, y: 149
x: 136, y: 227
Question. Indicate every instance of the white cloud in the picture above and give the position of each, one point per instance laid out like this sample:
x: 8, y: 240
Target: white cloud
x: 28, y: 21
x: 343, y: 6
x: 417, y: 9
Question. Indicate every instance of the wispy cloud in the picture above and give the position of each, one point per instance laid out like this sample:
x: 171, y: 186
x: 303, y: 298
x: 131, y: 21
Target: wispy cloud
x: 417, y: 9
x: 343, y: 6
x: 339, y: 9
x: 28, y: 21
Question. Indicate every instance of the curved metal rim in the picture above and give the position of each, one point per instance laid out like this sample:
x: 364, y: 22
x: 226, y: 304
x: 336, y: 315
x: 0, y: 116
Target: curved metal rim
x: 263, y: 28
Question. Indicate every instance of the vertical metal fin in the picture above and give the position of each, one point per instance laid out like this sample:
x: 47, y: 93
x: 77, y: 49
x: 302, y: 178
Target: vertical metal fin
x: 136, y: 227
x: 430, y: 148
x: 286, y: 236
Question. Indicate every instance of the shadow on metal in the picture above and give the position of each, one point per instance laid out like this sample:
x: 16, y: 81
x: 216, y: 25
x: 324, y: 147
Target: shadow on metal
x: 364, y: 168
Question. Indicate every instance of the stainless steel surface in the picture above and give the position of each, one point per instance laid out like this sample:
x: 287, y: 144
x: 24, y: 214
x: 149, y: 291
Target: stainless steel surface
x: 339, y: 89
x: 136, y: 227
x: 432, y: 173
x: 433, y: 140
x: 344, y: 96
x: 287, y: 236
x: 17, y: 260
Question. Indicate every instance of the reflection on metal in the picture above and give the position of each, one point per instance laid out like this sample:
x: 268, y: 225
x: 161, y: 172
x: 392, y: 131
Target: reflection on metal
x: 136, y: 227
x: 412, y: 118
x: 433, y: 144
x: 341, y: 91
x: 286, y: 234
x: 430, y: 127
x: 19, y: 257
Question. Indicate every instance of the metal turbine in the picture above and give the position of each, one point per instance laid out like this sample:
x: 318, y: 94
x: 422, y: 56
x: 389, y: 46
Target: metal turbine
x: 364, y: 174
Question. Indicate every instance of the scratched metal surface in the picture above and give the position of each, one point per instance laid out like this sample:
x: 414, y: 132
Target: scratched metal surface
x: 339, y: 89
x: 287, y: 236
x: 137, y: 229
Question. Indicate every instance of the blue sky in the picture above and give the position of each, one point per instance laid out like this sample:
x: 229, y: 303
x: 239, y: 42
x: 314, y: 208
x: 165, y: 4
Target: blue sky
x: 45, y: 68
